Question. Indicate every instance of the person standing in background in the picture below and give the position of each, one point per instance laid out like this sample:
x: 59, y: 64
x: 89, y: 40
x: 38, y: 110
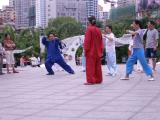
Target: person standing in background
x: 110, y: 51
x: 22, y: 61
x: 93, y: 47
x: 138, y: 52
x: 83, y: 58
x: 152, y: 43
x: 1, y: 58
x: 9, y: 46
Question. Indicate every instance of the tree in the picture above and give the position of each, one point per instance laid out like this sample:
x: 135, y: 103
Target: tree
x: 99, y: 24
x: 65, y: 27
x: 27, y: 38
x: 70, y: 29
x: 121, y: 12
x: 120, y: 25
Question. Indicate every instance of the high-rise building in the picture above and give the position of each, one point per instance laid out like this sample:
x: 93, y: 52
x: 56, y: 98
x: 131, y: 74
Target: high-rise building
x: 40, y: 13
x: 24, y: 13
x: 102, y: 16
x: 50, y: 9
x: 32, y: 13
x: 45, y: 10
x: 92, y: 8
x: 73, y: 8
x: 124, y: 3
x: 12, y: 3
x: 7, y: 15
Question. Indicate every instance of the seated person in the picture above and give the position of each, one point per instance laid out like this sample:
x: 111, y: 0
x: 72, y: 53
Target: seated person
x: 34, y: 61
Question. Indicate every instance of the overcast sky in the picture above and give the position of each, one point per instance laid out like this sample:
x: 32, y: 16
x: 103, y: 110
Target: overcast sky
x: 3, y: 2
x: 101, y: 2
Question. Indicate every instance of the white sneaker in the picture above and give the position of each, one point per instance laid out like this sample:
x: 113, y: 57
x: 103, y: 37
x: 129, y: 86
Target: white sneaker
x: 151, y: 78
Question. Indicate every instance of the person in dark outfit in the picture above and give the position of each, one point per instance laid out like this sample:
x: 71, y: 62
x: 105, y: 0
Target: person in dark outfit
x: 1, y: 58
x: 53, y: 46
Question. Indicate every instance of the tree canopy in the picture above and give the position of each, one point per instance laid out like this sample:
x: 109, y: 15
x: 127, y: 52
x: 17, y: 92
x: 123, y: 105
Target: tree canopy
x: 121, y: 12
x: 65, y: 27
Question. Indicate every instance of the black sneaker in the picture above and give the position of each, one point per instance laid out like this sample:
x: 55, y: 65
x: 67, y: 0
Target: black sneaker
x: 72, y: 72
x: 50, y: 74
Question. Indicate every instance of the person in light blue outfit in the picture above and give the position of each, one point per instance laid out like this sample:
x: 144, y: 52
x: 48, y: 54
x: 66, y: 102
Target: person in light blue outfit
x: 138, y: 52
x: 53, y: 46
x: 110, y: 51
x: 83, y: 56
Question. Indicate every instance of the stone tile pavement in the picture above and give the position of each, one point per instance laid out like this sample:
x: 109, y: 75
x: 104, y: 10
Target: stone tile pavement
x: 31, y: 95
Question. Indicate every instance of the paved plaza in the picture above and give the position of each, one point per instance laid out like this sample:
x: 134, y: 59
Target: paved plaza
x: 31, y: 95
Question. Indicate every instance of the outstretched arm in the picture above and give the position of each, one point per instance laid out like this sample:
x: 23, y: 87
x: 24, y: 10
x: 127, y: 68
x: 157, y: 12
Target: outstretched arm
x: 131, y: 32
x: 139, y: 32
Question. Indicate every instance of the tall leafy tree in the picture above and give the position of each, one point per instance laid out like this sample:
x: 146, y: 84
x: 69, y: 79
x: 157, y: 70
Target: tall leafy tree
x: 121, y: 12
x: 65, y: 27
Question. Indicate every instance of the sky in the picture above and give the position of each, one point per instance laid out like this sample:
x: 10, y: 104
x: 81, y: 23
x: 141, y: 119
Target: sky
x: 101, y: 2
x: 3, y: 2
x: 106, y: 7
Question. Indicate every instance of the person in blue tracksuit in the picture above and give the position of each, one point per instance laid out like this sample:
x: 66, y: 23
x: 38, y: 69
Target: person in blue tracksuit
x: 138, y: 52
x: 53, y: 46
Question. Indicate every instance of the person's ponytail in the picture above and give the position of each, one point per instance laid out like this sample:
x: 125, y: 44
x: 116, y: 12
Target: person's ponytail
x: 92, y: 20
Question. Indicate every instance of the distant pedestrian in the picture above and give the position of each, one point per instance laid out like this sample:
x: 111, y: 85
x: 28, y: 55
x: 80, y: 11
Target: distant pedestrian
x: 9, y: 46
x: 152, y: 43
x: 34, y: 61
x: 22, y: 61
x: 138, y: 52
x: 39, y: 61
x: 83, y: 61
x: 53, y: 46
x: 83, y: 58
x: 110, y: 51
x: 93, y: 47
x: 1, y: 58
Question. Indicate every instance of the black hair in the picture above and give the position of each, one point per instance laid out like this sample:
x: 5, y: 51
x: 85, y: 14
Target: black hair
x: 5, y: 35
x: 109, y: 26
x: 152, y: 23
x: 138, y: 22
x: 51, y: 33
x: 92, y: 20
